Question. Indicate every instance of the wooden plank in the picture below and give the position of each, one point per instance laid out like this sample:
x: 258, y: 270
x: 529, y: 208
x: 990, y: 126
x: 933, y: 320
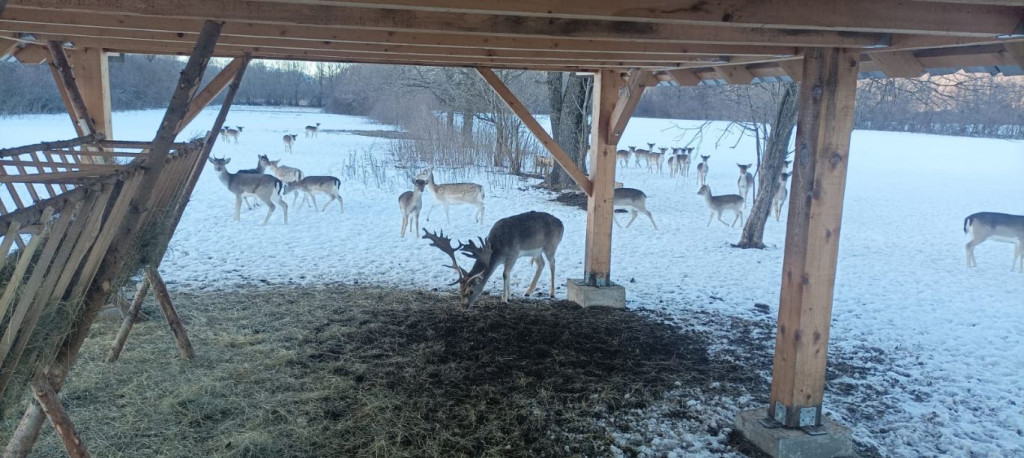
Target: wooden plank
x: 31, y: 55
x: 538, y: 131
x: 91, y: 231
x: 9, y: 181
x: 827, y: 97
x: 684, y: 77
x: 8, y: 48
x: 66, y: 177
x: 212, y: 89
x: 597, y: 260
x: 93, y: 78
x: 164, y: 299
x: 735, y: 74
x: 47, y: 398
x: 59, y: 60
x: 128, y: 321
x: 49, y: 145
x: 900, y: 64
x: 24, y: 259
x: 638, y: 81
x: 793, y: 68
x: 380, y: 19
x: 1016, y: 52
x: 13, y: 232
x: 50, y: 190
x: 41, y: 164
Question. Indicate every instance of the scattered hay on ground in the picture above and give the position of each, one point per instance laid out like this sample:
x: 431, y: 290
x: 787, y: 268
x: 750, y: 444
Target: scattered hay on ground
x: 358, y: 371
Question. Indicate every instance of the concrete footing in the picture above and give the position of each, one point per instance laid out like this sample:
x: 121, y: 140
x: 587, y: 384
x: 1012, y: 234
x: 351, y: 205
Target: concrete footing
x: 795, y: 443
x: 590, y: 296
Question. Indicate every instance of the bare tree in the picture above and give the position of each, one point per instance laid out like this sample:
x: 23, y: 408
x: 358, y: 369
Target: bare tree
x: 569, y: 100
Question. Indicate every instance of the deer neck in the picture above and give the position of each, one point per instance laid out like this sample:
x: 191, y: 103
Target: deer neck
x: 225, y: 177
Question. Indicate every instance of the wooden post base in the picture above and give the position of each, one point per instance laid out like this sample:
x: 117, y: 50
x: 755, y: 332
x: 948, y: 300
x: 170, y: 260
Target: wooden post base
x: 50, y: 403
x: 164, y: 298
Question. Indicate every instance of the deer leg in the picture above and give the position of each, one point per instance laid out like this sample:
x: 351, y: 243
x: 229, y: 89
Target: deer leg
x: 652, y: 219
x: 970, y: 254
x: 505, y: 274
x: 616, y: 220
x: 739, y: 217
x: 539, y: 260
x: 313, y: 198
x: 295, y: 197
x: 270, y: 211
x: 632, y: 212
x: 446, y: 216
x: 332, y: 199
x: 405, y: 219
x: 238, y: 207
x: 722, y: 220
x: 417, y: 215
x: 431, y: 210
x: 712, y: 215
x: 551, y: 260
x: 480, y: 218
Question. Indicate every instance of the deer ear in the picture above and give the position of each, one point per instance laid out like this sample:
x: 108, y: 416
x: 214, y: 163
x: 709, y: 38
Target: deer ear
x: 227, y: 160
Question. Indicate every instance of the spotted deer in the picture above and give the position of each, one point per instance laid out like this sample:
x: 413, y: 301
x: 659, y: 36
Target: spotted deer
x: 449, y: 194
x: 719, y: 204
x: 265, y: 187
x: 411, y: 202
x: 702, y: 170
x: 289, y: 140
x: 1001, y: 227
x: 780, y: 195
x: 311, y: 185
x: 745, y: 182
x: 633, y: 199
x: 534, y: 235
x: 283, y: 173
x: 311, y: 131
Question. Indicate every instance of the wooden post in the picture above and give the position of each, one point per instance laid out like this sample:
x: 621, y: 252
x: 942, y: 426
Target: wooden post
x: 827, y: 95
x: 160, y: 291
x: 597, y: 261
x: 47, y: 398
x: 69, y: 85
x: 93, y: 77
x: 128, y: 321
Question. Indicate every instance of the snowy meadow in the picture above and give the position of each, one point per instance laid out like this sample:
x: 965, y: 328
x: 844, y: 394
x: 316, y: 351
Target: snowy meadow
x: 930, y: 352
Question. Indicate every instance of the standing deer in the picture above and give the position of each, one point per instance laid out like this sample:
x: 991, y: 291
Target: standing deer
x: 311, y: 131
x: 309, y: 186
x: 453, y: 194
x: 1000, y: 227
x: 543, y: 164
x: 534, y: 235
x: 719, y: 204
x: 654, y: 160
x: 635, y: 200
x: 780, y: 195
x: 673, y: 163
x: 640, y: 154
x: 702, y: 170
x: 745, y: 182
x: 259, y: 169
x: 283, y: 173
x: 687, y: 161
x: 230, y: 134
x: 623, y: 156
x: 289, y: 140
x: 265, y: 187
x: 411, y: 202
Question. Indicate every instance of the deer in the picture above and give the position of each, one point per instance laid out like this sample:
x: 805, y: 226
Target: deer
x: 654, y: 159
x: 265, y: 187
x: 534, y: 235
x: 449, y: 194
x: 259, y: 169
x: 702, y: 170
x: 311, y: 131
x: 640, y: 154
x: 1001, y: 227
x: 745, y: 182
x: 633, y: 199
x: 780, y: 195
x: 289, y: 140
x: 719, y: 204
x: 230, y: 134
x: 331, y: 186
x: 543, y: 164
x: 623, y: 156
x: 411, y: 202
x: 283, y: 173
x: 687, y: 156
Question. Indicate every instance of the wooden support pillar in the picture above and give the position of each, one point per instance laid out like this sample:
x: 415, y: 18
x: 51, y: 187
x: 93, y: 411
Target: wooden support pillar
x: 598, y: 257
x: 824, y: 124
x: 46, y: 396
x: 164, y: 298
x: 70, y: 92
x: 93, y: 77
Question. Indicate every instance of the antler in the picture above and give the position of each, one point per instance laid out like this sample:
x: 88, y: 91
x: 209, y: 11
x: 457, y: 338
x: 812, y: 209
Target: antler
x: 445, y: 244
x: 481, y: 252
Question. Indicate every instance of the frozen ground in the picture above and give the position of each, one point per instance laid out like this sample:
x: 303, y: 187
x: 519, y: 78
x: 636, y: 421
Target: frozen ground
x: 937, y: 349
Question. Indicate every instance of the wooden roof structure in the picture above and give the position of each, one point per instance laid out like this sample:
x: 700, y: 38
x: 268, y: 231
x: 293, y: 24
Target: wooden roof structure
x: 685, y: 40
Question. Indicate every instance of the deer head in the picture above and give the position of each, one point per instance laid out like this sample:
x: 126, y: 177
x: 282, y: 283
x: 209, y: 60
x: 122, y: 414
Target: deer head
x: 219, y: 164
x: 471, y: 283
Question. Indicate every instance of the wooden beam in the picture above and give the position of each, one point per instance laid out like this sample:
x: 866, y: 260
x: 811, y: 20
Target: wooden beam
x: 735, y: 74
x: 824, y: 124
x: 8, y: 48
x: 93, y: 77
x: 638, y: 81
x: 684, y: 77
x: 794, y: 68
x: 164, y: 299
x: 212, y: 89
x: 460, y: 23
x: 538, y: 131
x: 80, y: 111
x: 32, y: 55
x: 1016, y: 52
x: 597, y: 260
x: 900, y: 64
x: 47, y: 398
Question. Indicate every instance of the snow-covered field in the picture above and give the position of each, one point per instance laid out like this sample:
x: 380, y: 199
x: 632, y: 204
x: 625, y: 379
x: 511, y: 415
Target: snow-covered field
x: 952, y: 338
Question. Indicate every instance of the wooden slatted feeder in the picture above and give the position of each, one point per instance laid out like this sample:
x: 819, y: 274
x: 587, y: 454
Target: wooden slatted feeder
x: 91, y: 197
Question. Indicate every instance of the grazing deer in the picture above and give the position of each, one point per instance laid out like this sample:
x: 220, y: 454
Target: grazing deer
x: 289, y: 140
x: 1000, y: 227
x: 331, y: 186
x: 283, y: 173
x: 311, y: 131
x: 702, y: 170
x: 635, y: 200
x: 623, y: 156
x: 265, y: 187
x: 230, y: 134
x: 453, y: 194
x: 719, y: 204
x: 411, y: 202
x: 543, y: 164
x: 745, y: 182
x: 534, y: 235
x: 780, y: 195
